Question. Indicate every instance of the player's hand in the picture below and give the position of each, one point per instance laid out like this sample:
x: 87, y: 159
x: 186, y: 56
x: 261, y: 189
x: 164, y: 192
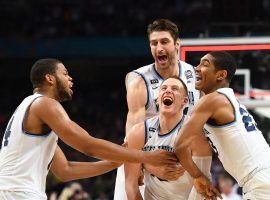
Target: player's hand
x: 160, y: 158
x: 206, y: 188
x: 166, y: 172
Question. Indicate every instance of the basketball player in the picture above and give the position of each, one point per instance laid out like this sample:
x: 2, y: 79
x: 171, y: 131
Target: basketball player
x: 30, y: 142
x: 143, y: 86
x: 161, y: 132
x: 240, y: 145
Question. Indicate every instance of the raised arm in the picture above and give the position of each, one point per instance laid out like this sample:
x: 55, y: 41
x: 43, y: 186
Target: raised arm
x: 68, y: 170
x: 135, y: 140
x: 136, y: 100
x: 51, y: 113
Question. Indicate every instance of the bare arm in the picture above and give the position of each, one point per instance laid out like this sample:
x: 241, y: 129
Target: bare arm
x: 136, y: 100
x: 73, y: 135
x: 207, y: 107
x: 67, y: 170
x: 190, y: 132
x: 132, y: 171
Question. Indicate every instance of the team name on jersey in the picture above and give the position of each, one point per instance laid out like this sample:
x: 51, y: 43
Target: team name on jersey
x: 163, y: 147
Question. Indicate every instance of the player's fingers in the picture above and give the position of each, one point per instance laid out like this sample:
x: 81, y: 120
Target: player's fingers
x: 216, y: 192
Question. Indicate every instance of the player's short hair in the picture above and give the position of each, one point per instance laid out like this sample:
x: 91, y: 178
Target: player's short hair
x: 183, y: 83
x: 41, y: 68
x: 224, y: 61
x: 164, y: 25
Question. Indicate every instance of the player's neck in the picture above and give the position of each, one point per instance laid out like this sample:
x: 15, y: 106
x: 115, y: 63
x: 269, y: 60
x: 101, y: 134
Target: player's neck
x: 171, y: 70
x: 168, y: 122
x: 216, y: 87
x: 44, y: 92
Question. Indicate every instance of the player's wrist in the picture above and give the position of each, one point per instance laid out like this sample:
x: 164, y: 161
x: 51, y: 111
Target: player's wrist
x: 196, y: 174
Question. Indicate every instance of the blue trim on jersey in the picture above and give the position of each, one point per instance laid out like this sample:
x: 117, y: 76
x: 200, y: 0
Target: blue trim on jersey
x: 176, y: 127
x: 227, y: 124
x: 147, y: 89
x: 146, y: 132
x: 33, y: 134
x: 157, y: 74
x: 37, y: 135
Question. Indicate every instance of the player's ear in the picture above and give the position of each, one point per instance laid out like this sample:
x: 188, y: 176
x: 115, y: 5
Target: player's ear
x: 185, y: 101
x: 49, y: 79
x: 177, y: 44
x: 221, y: 75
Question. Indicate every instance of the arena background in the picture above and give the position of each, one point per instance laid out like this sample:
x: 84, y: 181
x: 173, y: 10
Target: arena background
x: 99, y: 42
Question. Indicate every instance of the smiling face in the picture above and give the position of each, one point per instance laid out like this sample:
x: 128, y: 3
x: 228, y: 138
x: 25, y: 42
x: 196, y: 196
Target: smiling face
x: 63, y: 83
x: 172, y: 96
x: 163, y: 48
x: 216, y: 69
x: 208, y: 77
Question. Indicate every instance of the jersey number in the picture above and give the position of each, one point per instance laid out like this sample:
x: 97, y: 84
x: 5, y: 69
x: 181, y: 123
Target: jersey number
x: 7, y: 132
x: 247, y: 120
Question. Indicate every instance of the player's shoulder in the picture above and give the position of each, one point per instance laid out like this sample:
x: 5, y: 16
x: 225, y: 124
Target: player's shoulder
x: 214, y: 99
x: 45, y: 103
x: 144, y: 69
x: 186, y: 64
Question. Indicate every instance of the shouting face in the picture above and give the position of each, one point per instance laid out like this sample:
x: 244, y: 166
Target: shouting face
x: 63, y: 83
x: 163, y: 49
x: 172, y: 96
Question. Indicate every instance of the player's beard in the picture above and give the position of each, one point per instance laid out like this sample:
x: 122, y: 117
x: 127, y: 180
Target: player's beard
x: 170, y: 62
x: 63, y: 94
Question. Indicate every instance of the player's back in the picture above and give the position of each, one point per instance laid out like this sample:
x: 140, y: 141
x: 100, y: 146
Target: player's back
x: 241, y: 146
x: 25, y: 157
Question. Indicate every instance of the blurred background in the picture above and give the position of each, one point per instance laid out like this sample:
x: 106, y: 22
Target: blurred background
x: 99, y: 42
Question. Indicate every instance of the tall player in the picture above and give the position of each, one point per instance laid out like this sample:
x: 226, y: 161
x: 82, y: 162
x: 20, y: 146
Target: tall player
x: 143, y: 86
x: 241, y: 146
x: 161, y: 132
x: 29, y: 145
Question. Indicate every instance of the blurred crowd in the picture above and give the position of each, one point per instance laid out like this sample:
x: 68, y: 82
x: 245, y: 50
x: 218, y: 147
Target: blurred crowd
x: 196, y: 18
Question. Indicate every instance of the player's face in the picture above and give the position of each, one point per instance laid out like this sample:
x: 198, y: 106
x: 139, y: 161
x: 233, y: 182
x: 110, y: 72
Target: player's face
x: 172, y: 96
x: 63, y: 83
x: 206, y: 74
x: 163, y: 49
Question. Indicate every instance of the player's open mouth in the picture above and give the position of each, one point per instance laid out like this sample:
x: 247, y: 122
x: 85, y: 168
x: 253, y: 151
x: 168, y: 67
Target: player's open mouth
x: 162, y: 58
x: 167, y: 101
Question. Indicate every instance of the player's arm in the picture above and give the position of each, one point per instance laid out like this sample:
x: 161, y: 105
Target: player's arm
x: 136, y: 101
x: 135, y: 140
x: 50, y: 112
x: 68, y: 170
x: 192, y: 131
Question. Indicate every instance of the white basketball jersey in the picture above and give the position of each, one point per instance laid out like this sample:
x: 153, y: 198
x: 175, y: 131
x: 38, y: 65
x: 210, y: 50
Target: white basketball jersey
x: 25, y: 158
x: 153, y: 81
x: 154, y: 187
x: 240, y: 145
